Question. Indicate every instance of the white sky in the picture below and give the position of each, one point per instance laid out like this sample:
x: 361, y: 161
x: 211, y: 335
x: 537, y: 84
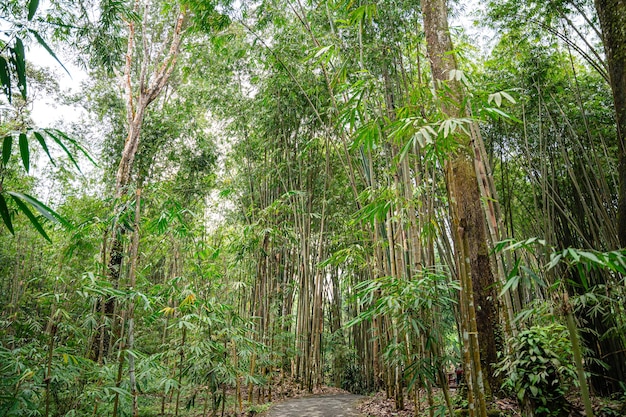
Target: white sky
x: 47, y: 111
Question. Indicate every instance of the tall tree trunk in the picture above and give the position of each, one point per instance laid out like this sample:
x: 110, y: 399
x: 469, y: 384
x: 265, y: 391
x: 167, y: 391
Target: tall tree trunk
x: 146, y: 92
x: 463, y: 191
x: 612, y: 15
x: 132, y: 274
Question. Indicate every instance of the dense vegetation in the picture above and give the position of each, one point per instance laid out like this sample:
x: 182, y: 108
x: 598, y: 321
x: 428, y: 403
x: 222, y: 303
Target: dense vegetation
x: 265, y: 196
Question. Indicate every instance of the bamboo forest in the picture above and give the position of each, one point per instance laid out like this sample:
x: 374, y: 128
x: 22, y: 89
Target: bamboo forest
x: 330, y: 207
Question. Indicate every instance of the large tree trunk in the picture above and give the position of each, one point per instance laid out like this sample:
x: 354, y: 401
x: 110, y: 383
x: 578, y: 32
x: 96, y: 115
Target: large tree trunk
x: 149, y: 88
x: 466, y: 210
x: 612, y: 16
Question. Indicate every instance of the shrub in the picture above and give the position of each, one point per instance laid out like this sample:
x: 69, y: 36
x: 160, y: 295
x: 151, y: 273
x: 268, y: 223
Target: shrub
x: 540, y: 371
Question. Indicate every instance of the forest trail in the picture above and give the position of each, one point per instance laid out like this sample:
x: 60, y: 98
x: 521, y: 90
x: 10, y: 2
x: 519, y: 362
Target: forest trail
x: 341, y: 405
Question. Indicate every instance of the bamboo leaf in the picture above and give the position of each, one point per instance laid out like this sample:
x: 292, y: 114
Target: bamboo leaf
x: 19, y: 59
x: 533, y: 276
x: 32, y: 8
x: 43, y: 144
x: 511, y: 284
x: 322, y: 51
x: 62, y: 145
x: 592, y: 257
x: 508, y: 97
x: 47, y: 48
x: 5, y: 78
x: 573, y: 254
x: 168, y: 311
x: 7, y: 143
x: 554, y: 260
x: 498, y: 99
x: 24, y: 151
x: 6, y: 216
x: 45, y: 211
x: 500, y: 246
x: 24, y: 209
x: 75, y: 143
x: 406, y: 148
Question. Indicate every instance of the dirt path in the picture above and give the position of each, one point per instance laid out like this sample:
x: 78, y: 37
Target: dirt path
x: 339, y: 405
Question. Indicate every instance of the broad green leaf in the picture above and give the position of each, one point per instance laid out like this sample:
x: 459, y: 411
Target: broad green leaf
x: 42, y: 142
x: 120, y: 391
x: 405, y: 149
x: 24, y: 209
x: 32, y: 8
x: 511, y: 284
x: 532, y: 275
x: 24, y: 152
x: 7, y: 143
x: 456, y: 75
x: 493, y: 112
x: 500, y: 246
x: 6, y: 216
x: 496, y: 97
x: 357, y: 15
x: 5, y: 78
x: 424, y: 136
x: 45, y: 211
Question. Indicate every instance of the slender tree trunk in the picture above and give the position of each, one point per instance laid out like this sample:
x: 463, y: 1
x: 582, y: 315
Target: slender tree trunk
x: 180, y: 370
x: 120, y: 365
x: 134, y: 251
x: 51, y: 330
x: 578, y: 358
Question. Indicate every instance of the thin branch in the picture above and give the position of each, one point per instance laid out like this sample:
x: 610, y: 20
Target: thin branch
x: 167, y: 67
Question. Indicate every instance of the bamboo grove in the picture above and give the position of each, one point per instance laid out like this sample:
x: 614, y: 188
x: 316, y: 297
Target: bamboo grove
x: 283, y: 194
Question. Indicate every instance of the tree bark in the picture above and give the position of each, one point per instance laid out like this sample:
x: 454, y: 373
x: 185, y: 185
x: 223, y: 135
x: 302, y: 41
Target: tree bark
x: 463, y: 191
x: 148, y: 91
x: 612, y: 15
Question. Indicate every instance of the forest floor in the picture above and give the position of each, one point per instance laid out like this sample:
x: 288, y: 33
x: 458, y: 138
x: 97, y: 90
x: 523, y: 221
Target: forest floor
x: 333, y: 402
x: 290, y: 399
x: 336, y: 405
x: 379, y: 406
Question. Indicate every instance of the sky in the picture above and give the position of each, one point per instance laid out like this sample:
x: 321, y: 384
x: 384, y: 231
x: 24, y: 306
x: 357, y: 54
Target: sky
x: 46, y: 111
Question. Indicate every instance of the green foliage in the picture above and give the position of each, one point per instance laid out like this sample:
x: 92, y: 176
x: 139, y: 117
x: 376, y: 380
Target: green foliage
x: 20, y: 382
x: 412, y: 305
x: 319, y: 123
x: 539, y: 369
x: 13, y: 73
x: 12, y: 51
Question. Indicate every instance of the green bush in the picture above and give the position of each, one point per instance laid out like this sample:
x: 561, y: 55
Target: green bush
x: 540, y: 370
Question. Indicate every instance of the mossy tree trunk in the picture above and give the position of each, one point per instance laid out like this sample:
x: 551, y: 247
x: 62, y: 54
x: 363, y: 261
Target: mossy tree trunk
x: 468, y: 220
x: 612, y: 15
